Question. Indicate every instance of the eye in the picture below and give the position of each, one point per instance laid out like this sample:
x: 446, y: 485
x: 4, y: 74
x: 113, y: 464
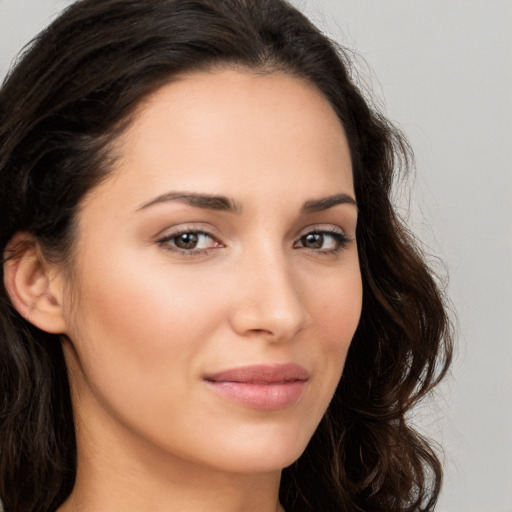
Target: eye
x: 323, y: 241
x: 189, y: 241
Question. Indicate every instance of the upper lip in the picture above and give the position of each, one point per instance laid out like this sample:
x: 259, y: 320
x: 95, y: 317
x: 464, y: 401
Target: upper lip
x: 261, y: 374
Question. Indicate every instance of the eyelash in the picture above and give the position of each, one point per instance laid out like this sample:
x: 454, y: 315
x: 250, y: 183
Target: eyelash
x: 340, y: 239
x: 166, y: 241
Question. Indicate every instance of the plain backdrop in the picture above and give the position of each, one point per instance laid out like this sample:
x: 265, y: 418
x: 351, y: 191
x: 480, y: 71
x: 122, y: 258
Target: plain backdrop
x: 442, y: 70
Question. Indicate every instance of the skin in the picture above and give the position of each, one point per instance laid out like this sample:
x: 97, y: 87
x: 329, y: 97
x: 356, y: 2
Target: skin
x: 145, y: 322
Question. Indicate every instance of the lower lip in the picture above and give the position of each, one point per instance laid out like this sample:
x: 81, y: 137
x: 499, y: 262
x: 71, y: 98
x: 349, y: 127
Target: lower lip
x: 261, y: 396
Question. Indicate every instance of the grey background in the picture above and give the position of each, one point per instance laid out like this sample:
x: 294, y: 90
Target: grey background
x: 443, y: 71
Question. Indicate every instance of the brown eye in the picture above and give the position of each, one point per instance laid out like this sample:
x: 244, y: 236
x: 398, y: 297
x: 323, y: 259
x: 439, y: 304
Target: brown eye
x: 189, y: 241
x: 186, y: 240
x: 313, y: 240
x: 323, y: 241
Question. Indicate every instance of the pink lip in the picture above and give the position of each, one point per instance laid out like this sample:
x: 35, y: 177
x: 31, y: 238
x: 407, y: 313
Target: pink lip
x: 261, y: 386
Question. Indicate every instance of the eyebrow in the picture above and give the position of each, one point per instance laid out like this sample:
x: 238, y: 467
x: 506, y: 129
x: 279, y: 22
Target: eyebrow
x: 223, y: 203
x: 320, y: 205
x: 207, y: 201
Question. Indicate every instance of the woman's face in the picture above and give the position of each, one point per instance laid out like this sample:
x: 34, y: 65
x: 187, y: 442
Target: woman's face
x: 217, y: 276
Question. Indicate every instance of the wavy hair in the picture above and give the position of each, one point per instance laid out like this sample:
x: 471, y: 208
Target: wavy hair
x: 62, y: 106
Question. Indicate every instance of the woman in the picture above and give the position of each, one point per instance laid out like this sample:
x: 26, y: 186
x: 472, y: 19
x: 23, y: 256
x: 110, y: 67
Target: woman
x: 208, y: 301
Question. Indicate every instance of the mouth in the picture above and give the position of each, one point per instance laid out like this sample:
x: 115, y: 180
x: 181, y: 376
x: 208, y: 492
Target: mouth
x: 265, y: 387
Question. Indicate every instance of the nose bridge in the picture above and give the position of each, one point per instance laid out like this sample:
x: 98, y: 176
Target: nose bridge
x: 270, y: 298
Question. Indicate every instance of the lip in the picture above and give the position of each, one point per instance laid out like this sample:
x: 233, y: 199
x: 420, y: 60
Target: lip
x: 266, y: 387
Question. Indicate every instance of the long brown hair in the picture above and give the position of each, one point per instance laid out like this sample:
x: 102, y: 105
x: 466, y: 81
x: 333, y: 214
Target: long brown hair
x: 61, y: 108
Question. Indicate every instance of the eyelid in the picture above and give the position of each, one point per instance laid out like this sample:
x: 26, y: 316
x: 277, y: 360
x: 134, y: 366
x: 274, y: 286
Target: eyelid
x: 323, y: 228
x: 336, y: 232
x: 168, y: 234
x: 187, y: 227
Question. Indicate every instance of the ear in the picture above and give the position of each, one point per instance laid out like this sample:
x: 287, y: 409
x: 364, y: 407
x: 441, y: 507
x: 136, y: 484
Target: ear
x: 34, y: 286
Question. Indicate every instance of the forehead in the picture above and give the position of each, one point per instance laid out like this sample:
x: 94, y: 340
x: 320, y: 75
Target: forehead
x: 244, y: 107
x: 241, y: 95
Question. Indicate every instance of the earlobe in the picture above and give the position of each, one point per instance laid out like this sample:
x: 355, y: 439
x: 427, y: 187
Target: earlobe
x: 33, y: 285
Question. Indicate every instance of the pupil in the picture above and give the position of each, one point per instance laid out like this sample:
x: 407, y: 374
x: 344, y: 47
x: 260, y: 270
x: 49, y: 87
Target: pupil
x: 187, y: 240
x: 313, y: 240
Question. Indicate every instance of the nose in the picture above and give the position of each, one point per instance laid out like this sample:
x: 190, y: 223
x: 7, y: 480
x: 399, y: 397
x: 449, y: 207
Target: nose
x: 269, y: 302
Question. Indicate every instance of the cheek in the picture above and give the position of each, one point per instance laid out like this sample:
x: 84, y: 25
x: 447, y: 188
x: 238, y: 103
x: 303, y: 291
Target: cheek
x: 137, y: 332
x: 337, y: 307
x: 338, y: 313
x: 129, y: 297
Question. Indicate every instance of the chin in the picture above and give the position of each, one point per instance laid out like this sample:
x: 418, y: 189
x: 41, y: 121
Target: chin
x: 261, y: 462
x: 262, y: 452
